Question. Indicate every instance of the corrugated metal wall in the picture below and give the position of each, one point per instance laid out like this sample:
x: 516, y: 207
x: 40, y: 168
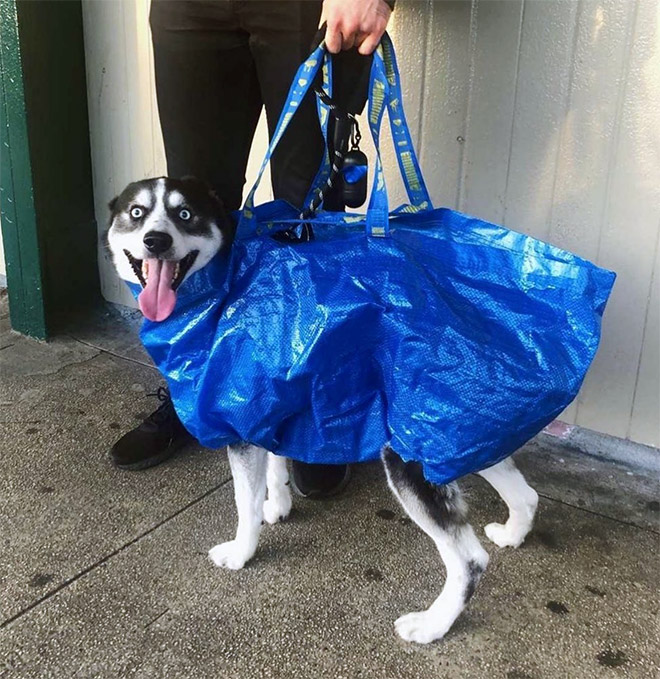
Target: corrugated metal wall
x: 543, y: 115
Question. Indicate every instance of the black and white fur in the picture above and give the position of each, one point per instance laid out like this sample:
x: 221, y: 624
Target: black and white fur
x: 160, y: 202
x: 261, y: 479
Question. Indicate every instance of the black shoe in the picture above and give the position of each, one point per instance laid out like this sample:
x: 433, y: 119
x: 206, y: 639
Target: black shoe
x: 316, y: 481
x: 153, y: 441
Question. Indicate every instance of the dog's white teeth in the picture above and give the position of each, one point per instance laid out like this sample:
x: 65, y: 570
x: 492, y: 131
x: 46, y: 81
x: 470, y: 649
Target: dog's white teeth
x: 145, y: 269
x: 176, y: 272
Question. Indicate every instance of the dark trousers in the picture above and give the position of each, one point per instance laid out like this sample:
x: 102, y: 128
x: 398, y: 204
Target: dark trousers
x: 217, y: 63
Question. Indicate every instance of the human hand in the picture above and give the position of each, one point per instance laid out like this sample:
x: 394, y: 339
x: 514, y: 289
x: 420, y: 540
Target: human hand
x: 354, y: 23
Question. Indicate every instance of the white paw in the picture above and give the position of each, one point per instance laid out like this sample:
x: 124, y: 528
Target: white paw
x: 277, y: 508
x: 504, y: 536
x: 231, y: 555
x: 422, y: 627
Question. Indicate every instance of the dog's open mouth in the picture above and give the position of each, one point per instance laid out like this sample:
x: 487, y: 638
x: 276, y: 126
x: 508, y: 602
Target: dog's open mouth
x: 160, y: 279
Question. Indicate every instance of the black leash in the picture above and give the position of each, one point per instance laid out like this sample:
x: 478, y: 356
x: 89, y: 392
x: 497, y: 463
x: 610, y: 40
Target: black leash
x: 354, y: 136
x: 338, y: 154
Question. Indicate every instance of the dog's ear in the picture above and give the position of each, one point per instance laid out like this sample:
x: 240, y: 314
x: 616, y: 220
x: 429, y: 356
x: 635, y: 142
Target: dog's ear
x: 208, y: 189
x: 216, y: 198
x: 113, y: 204
x: 191, y: 179
x: 195, y: 182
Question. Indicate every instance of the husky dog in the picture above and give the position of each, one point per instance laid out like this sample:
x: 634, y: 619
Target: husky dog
x: 163, y: 230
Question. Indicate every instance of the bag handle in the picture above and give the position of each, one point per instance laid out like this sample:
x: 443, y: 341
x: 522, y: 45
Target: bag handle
x: 403, y: 145
x: 378, y: 210
x: 323, y: 113
x: 404, y: 148
x: 302, y: 81
x: 385, y: 90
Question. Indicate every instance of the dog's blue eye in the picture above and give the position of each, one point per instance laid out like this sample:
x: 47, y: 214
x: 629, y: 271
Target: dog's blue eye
x: 137, y: 212
x: 185, y: 215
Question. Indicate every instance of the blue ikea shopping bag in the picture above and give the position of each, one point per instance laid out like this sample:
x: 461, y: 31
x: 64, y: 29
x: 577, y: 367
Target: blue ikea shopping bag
x: 451, y: 338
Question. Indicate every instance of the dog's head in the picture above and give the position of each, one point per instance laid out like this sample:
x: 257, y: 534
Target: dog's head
x: 161, y: 231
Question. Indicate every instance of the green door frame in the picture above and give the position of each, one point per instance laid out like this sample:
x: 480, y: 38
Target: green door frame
x: 46, y: 196
x: 19, y: 222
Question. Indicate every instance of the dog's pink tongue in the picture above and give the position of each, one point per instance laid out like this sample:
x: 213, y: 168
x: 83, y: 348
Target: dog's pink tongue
x: 157, y: 300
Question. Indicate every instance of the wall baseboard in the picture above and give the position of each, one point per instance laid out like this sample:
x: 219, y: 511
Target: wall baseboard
x: 622, y: 451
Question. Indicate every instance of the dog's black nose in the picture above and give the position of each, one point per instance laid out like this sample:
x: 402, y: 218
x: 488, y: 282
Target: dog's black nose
x: 157, y: 242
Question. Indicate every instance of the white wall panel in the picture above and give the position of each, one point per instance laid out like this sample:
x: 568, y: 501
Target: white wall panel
x: 541, y: 100
x: 446, y: 86
x: 493, y: 97
x: 586, y: 141
x: 120, y: 102
x: 628, y: 231
x: 540, y: 114
x: 645, y: 420
x: 586, y: 137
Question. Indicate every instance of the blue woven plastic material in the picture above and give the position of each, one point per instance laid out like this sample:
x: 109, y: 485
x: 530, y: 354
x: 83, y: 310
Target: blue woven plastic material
x: 451, y: 338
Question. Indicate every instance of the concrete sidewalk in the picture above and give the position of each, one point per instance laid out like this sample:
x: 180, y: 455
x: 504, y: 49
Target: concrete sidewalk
x: 104, y: 573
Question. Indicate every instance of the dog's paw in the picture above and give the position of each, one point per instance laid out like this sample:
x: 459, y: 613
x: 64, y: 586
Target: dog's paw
x: 277, y: 508
x: 505, y: 536
x: 231, y: 555
x: 422, y: 627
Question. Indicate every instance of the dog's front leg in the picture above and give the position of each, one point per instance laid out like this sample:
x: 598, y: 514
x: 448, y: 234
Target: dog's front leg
x: 278, y: 504
x: 521, y: 499
x: 248, y: 467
